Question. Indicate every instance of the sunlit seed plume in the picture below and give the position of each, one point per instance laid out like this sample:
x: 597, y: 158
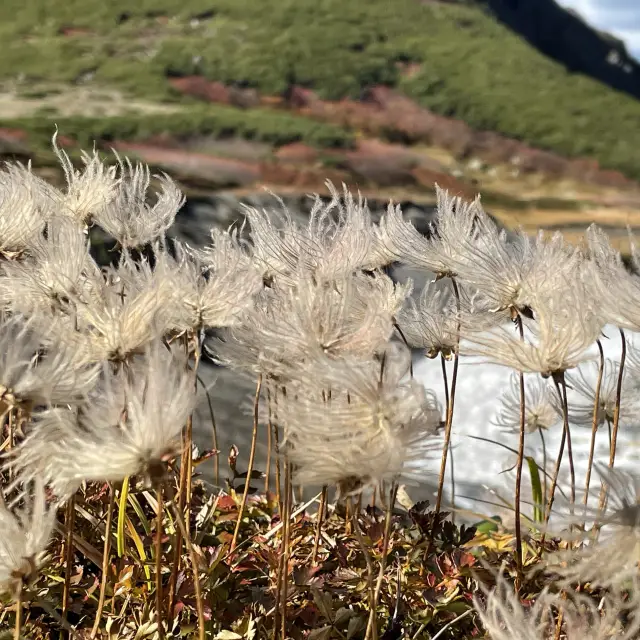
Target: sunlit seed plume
x: 455, y: 221
x: 617, y: 289
x: 129, y: 425
x: 289, y: 325
x: 512, y: 273
x: 505, y: 617
x: 88, y: 190
x: 582, y: 395
x: 373, y: 429
x: 540, y: 413
x: 36, y: 369
x: 26, y: 532
x: 25, y: 204
x: 377, y: 291
x: 338, y: 240
x: 612, y: 561
x: 125, y: 310
x: 349, y: 239
x: 431, y: 323
x: 129, y: 217
x: 205, y: 296
x: 56, y: 268
x: 568, y: 323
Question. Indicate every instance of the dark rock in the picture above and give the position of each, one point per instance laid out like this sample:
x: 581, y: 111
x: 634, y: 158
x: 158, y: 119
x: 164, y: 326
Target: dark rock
x: 562, y: 35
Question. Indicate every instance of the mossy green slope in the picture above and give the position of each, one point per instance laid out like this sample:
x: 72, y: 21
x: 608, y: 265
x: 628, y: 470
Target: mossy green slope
x: 465, y: 64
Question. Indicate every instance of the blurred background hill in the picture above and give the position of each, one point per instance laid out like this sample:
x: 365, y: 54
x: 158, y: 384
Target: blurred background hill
x: 520, y: 100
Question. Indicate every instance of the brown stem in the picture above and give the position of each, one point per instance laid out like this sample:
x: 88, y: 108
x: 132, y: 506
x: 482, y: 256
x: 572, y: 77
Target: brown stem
x: 385, y: 555
x: 267, y: 478
x: 372, y: 629
x: 17, y: 630
x: 192, y: 558
x: 189, y: 451
x: 616, y: 422
x: 188, y: 475
x: 177, y: 543
x: 276, y: 444
x: 320, y: 519
x: 69, y: 521
x: 521, y: 440
x: 252, y: 456
x: 445, y: 379
x: 556, y: 473
x: 106, y: 552
x: 572, y: 470
x: 594, y: 426
x: 286, y: 537
x: 401, y: 334
x: 158, y: 559
x: 544, y: 467
x: 450, y: 406
x: 214, y: 428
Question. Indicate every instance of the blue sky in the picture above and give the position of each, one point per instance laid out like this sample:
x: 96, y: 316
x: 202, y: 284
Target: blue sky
x: 619, y: 17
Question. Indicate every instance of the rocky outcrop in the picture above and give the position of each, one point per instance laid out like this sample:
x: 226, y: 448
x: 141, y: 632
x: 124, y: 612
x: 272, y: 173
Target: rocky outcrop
x: 562, y: 35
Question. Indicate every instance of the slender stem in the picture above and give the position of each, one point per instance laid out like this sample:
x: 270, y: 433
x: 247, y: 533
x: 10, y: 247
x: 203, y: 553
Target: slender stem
x: 449, y: 419
x: 286, y: 536
x: 11, y: 436
x: 556, y: 473
x: 320, y: 520
x: 252, y: 456
x: 68, y: 552
x: 616, y: 422
x: 404, y: 339
x: 616, y: 412
x: 565, y: 409
x: 521, y: 439
x: 385, y: 555
x: 106, y: 552
x: 372, y: 629
x: 188, y: 475
x: 189, y: 451
x: 450, y: 624
x: 17, y: 630
x: 158, y: 559
x: 544, y: 467
x: 276, y: 445
x: 192, y: 558
x: 445, y: 380
x: 212, y: 416
x: 594, y: 426
x: 177, y: 543
x: 267, y: 478
x: 602, y: 503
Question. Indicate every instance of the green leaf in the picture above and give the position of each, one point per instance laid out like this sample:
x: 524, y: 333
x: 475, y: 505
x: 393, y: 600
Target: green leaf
x: 122, y: 512
x: 486, y: 526
x: 536, y: 488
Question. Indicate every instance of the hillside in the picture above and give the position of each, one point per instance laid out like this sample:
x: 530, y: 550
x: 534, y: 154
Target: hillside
x: 389, y: 96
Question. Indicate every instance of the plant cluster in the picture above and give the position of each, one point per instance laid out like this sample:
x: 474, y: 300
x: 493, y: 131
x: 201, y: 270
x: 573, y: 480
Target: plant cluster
x: 108, y: 529
x: 218, y: 121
